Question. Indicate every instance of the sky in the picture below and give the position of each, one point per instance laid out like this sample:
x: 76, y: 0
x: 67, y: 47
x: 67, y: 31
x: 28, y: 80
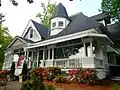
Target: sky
x: 18, y: 17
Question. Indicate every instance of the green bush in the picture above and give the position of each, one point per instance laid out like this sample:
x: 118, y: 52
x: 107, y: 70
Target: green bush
x: 32, y: 85
x: 24, y: 71
x: 52, y: 72
x: 87, y: 76
x: 12, y: 71
x: 49, y: 87
x: 60, y: 79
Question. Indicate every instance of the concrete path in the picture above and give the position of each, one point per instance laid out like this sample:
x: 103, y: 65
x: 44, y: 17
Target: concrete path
x: 14, y: 85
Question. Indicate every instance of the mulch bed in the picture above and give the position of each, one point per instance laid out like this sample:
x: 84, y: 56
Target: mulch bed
x: 74, y: 86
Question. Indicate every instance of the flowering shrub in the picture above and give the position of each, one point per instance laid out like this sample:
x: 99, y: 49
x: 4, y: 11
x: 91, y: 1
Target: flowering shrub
x: 60, y: 79
x: 88, y: 76
x: 52, y: 72
x: 38, y: 73
x: 73, y: 75
x: 3, y: 74
x: 3, y: 77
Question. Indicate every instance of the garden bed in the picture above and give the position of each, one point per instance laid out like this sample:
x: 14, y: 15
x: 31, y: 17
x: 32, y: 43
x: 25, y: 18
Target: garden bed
x: 74, y: 86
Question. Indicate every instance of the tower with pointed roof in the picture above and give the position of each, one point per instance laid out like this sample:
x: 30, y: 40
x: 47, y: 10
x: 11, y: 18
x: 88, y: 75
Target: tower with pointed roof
x: 59, y: 19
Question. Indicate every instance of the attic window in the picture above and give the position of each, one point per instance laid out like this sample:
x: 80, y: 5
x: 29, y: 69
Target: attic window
x: 31, y: 33
x: 60, y: 23
x: 54, y: 24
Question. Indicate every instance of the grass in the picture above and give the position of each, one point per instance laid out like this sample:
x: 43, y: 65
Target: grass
x: 116, y: 86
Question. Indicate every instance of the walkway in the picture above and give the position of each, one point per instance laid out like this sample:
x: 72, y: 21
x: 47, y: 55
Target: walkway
x: 14, y: 85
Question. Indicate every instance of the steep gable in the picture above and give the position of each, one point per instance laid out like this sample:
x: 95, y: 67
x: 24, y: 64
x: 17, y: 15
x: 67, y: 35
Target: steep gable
x: 16, y: 42
x: 39, y: 31
x: 26, y: 32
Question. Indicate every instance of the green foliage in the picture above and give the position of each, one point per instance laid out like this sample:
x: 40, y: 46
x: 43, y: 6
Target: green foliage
x: 60, y: 79
x: 49, y: 87
x: 87, y: 76
x: 116, y: 86
x: 52, y: 72
x: 47, y: 13
x: 32, y: 85
x: 5, y: 39
x: 24, y: 71
x: 112, y: 7
x: 12, y: 70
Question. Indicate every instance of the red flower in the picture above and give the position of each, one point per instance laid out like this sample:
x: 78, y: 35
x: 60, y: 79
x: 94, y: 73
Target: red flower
x: 39, y: 77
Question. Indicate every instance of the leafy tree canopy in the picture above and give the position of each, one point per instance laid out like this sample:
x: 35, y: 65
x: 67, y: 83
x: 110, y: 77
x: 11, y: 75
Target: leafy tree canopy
x: 5, y: 39
x: 47, y: 13
x: 112, y: 7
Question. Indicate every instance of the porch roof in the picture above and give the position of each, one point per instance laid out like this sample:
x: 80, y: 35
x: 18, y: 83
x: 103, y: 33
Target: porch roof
x: 70, y: 37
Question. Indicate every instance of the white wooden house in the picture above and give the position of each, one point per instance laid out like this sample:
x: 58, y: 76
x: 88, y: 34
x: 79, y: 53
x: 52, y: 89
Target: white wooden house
x: 71, y: 42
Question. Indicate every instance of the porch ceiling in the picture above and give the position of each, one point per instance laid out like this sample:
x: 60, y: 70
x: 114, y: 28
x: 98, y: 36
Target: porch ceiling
x: 102, y: 37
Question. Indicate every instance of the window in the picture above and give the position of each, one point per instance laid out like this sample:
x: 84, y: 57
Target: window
x: 31, y: 33
x: 60, y: 23
x: 54, y: 24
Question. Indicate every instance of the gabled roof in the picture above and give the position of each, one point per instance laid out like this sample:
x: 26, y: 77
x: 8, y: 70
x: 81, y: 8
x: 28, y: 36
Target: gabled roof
x: 24, y: 40
x: 79, y: 23
x: 43, y: 31
x: 60, y: 11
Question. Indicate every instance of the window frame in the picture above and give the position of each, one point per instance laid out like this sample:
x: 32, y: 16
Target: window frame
x: 54, y: 24
x: 31, y: 33
x: 60, y: 23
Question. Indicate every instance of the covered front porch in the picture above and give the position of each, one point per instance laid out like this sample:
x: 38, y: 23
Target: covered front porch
x: 76, y: 53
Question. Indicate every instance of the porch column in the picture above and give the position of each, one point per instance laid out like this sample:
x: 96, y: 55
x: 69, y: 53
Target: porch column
x: 53, y: 53
x: 27, y: 58
x: 43, y: 58
x: 25, y: 53
x: 91, y: 49
x: 38, y: 59
x: 48, y: 54
x: 84, y: 49
x: 53, y: 56
x: 32, y: 61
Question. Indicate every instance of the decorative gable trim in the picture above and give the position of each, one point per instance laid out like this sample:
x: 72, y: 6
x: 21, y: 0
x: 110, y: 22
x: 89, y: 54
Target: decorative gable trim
x: 15, y: 40
x: 30, y: 24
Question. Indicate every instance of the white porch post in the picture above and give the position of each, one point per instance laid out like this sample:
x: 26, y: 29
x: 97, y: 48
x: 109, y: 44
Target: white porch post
x: 53, y: 57
x: 48, y: 54
x: 43, y: 57
x: 27, y: 59
x: 25, y: 54
x: 84, y: 49
x: 53, y: 53
x: 32, y: 60
x: 38, y: 59
x: 91, y: 49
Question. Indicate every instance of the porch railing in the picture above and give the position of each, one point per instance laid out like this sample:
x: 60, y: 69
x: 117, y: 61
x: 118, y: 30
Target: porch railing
x: 68, y: 63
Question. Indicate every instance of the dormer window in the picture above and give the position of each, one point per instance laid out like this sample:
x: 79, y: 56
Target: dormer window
x: 60, y: 23
x: 31, y: 33
x: 54, y: 24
